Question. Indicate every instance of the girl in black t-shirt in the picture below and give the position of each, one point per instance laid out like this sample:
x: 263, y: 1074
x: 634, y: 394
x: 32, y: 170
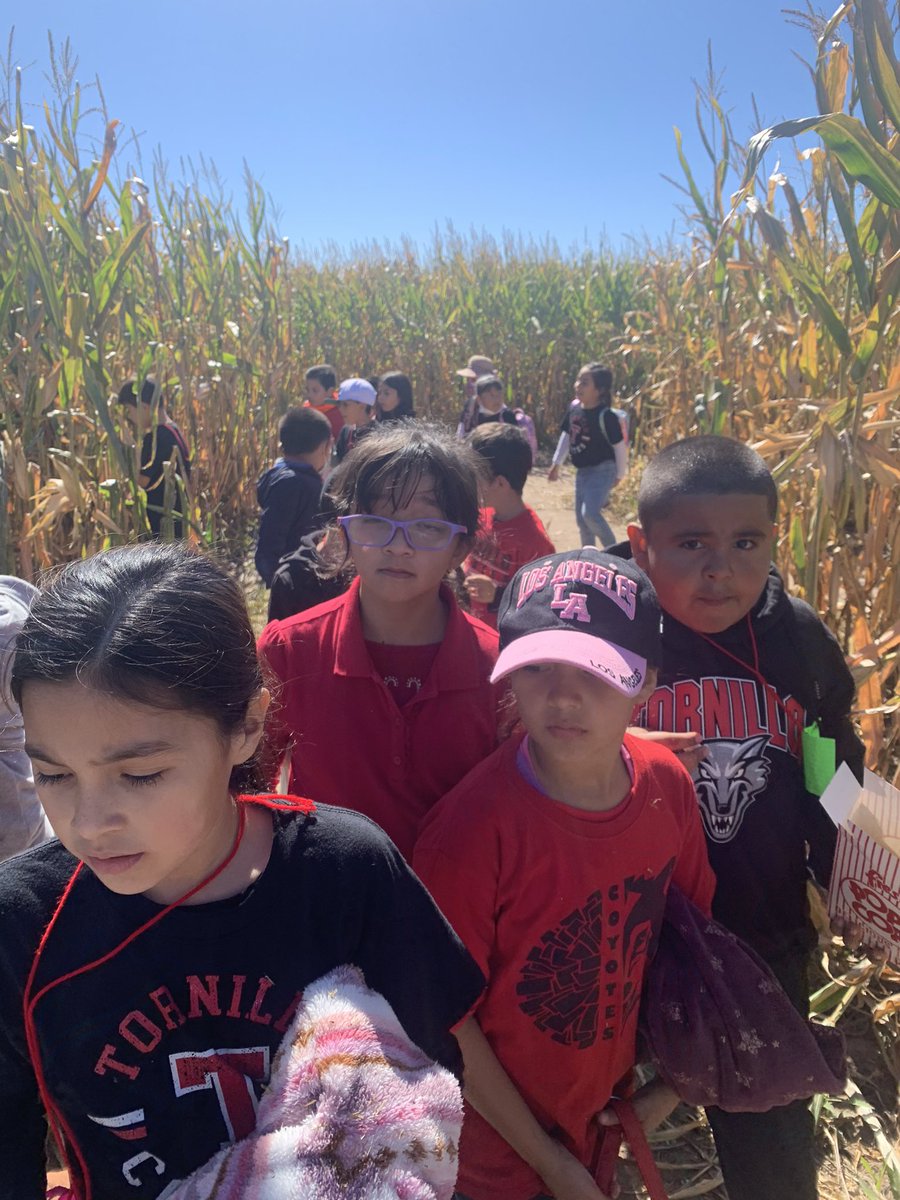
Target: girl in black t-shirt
x: 592, y: 437
x: 164, y: 941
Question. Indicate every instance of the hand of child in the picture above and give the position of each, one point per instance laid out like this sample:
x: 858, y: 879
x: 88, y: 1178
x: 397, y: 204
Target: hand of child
x: 567, y: 1179
x: 481, y: 588
x: 553, y: 473
x: 686, y: 747
x: 652, y: 1104
x: 853, y: 936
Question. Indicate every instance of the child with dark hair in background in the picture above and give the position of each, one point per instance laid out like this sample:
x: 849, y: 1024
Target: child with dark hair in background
x: 395, y: 398
x: 746, y: 672
x: 375, y: 682
x: 162, y: 443
x: 487, y: 407
x: 511, y: 533
x: 319, y: 389
x: 592, y: 437
x: 356, y: 401
x: 552, y: 860
x: 290, y: 492
x: 176, y: 915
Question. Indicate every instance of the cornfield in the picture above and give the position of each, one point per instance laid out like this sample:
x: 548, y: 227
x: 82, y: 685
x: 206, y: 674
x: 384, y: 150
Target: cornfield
x: 776, y: 322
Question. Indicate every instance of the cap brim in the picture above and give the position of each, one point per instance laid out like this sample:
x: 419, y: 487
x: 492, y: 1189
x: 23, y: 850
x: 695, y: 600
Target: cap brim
x: 618, y: 667
x: 467, y: 373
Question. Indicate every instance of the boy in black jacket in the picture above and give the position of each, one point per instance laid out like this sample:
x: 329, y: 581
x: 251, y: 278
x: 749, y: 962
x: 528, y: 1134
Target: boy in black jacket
x: 745, y: 669
x: 290, y: 492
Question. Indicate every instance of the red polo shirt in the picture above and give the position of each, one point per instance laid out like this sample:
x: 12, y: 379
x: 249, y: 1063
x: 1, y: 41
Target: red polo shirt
x: 350, y: 743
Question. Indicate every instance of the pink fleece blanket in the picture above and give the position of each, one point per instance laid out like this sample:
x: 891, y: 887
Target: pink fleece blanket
x: 353, y: 1111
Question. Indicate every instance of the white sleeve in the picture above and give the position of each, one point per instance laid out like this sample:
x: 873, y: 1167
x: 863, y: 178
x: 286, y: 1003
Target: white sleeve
x: 620, y: 450
x: 562, y: 449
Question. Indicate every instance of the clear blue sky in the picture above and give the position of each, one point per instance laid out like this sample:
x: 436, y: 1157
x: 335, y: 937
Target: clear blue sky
x: 369, y: 119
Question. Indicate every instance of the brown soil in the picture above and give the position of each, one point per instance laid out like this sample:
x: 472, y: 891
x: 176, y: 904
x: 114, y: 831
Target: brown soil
x: 555, y: 505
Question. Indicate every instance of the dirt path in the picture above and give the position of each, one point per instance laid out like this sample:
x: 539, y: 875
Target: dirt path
x: 555, y: 505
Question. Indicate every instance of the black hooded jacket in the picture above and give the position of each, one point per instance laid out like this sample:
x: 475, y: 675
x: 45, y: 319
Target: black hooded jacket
x: 758, y: 817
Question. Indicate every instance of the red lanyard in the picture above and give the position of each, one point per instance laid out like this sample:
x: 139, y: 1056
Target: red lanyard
x: 55, y: 1119
x: 754, y: 670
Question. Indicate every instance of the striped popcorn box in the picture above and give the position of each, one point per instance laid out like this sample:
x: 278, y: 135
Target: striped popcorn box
x: 865, y: 881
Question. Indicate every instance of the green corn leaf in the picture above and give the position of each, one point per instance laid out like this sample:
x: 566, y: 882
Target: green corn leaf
x: 849, y: 140
x: 703, y: 211
x: 881, y: 61
x: 114, y: 269
x: 863, y: 79
x: 887, y: 294
x: 776, y: 237
x: 843, y: 206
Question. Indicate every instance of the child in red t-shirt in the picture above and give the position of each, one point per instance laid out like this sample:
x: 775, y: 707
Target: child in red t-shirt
x: 511, y: 533
x: 552, y: 860
x: 318, y: 391
x: 377, y: 685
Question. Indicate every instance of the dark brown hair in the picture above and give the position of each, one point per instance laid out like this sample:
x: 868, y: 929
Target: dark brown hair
x: 389, y: 464
x: 506, y: 451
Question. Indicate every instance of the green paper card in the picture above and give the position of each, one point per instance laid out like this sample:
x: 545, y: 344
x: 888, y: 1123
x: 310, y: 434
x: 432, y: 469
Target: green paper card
x: 819, y: 760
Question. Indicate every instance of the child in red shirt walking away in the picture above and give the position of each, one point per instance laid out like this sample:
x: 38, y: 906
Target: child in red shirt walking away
x: 386, y: 700
x: 511, y: 533
x: 552, y: 860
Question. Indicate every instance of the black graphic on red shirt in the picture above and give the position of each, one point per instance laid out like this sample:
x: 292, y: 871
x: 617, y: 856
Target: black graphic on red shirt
x: 583, y: 978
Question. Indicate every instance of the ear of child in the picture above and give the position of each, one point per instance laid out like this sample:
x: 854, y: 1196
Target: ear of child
x: 637, y: 539
x: 245, y: 740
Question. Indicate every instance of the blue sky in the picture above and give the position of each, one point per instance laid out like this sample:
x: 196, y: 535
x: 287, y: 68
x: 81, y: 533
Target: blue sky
x: 370, y: 119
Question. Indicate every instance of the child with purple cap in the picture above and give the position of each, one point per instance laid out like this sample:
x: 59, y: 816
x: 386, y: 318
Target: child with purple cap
x: 552, y: 860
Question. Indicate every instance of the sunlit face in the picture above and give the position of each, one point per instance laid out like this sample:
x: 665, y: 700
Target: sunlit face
x: 388, y: 397
x: 491, y: 399
x: 571, y: 712
x: 354, y: 412
x: 708, y: 558
x: 396, y: 573
x: 586, y: 391
x: 315, y: 394
x: 139, y: 794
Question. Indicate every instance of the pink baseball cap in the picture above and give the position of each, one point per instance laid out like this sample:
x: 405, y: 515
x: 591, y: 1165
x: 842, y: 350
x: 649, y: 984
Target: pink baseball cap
x: 584, y: 608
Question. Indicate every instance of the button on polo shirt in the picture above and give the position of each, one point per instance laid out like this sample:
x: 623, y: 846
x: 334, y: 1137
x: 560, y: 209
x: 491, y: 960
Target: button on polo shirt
x: 350, y: 743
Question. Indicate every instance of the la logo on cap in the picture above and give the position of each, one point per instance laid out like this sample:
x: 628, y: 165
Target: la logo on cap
x: 619, y: 588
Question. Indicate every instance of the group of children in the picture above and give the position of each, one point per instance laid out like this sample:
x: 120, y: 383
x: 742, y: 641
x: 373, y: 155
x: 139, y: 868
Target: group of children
x: 523, y: 765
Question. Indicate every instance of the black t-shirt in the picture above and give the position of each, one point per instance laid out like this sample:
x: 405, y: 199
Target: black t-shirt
x: 472, y: 416
x: 156, y: 450
x: 157, y: 1057
x: 588, y: 443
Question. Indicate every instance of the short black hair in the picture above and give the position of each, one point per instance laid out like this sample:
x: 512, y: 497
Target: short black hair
x: 325, y: 374
x: 302, y: 430
x: 705, y: 465
x: 151, y: 393
x: 484, y: 383
x: 506, y: 451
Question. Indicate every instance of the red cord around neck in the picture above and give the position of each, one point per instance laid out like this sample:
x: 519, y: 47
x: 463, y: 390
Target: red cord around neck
x: 754, y: 669
x: 57, y: 1122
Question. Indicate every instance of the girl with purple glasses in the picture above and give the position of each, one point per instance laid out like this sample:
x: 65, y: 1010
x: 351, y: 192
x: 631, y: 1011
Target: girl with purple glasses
x: 385, y: 701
